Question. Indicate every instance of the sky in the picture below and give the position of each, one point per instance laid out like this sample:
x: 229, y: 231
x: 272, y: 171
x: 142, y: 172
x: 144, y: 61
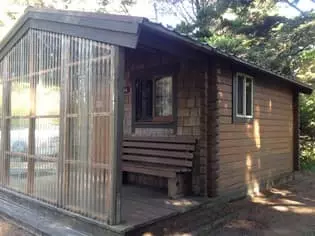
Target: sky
x: 142, y: 8
x: 304, y: 5
x: 145, y: 8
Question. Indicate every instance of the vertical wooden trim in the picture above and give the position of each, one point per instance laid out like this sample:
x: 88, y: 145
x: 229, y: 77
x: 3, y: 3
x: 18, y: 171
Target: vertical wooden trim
x: 6, y: 124
x: 296, y: 131
x: 67, y: 154
x: 212, y: 132
x: 32, y: 120
x: 133, y: 104
x: 175, y: 98
x: 204, y: 125
x: 116, y: 135
x: 63, y: 168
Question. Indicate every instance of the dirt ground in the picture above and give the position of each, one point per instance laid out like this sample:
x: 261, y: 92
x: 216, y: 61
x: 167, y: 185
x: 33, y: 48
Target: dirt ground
x: 285, y: 210
x: 8, y: 229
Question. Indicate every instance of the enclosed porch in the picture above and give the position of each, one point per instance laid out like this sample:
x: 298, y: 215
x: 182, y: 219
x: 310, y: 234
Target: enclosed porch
x: 112, y: 132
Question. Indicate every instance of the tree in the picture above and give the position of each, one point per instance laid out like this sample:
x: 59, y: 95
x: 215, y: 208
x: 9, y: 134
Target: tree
x: 251, y: 29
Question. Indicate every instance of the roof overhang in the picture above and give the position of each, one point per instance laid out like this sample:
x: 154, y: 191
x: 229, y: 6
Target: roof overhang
x: 123, y: 31
x: 113, y: 29
x: 302, y: 87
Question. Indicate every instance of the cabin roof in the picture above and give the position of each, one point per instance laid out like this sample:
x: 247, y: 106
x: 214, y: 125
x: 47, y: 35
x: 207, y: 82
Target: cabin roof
x: 119, y: 30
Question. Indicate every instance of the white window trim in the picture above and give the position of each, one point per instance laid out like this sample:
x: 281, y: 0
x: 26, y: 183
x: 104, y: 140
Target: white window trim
x: 244, y: 95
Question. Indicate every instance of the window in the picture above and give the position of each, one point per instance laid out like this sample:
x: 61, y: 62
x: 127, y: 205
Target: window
x: 154, y: 99
x: 243, y: 105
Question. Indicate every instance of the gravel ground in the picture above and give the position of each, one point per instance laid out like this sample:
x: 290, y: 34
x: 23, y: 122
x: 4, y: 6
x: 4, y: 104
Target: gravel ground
x: 8, y: 229
x: 285, y: 210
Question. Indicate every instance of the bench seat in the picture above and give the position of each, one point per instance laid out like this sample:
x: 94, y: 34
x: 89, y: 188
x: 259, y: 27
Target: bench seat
x: 171, y: 158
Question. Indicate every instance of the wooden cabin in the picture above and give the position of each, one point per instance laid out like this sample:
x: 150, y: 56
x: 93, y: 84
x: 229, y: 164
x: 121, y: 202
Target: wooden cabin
x: 93, y: 104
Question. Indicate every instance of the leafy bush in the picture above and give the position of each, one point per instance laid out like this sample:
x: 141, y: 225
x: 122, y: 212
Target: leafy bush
x: 307, y: 115
x: 307, y: 156
x: 307, y: 127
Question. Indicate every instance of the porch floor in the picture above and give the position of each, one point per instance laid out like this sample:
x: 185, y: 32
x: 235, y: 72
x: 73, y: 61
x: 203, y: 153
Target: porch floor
x: 140, y: 206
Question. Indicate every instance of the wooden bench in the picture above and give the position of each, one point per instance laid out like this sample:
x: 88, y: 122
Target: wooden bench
x: 171, y: 158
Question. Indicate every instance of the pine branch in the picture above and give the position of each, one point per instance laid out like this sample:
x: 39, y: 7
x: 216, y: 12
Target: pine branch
x: 291, y: 4
x: 184, y: 10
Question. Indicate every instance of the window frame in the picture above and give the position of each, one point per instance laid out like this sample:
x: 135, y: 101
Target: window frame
x: 154, y: 74
x: 242, y: 117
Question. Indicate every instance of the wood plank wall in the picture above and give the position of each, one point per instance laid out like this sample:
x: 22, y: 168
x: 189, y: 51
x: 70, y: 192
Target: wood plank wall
x: 258, y: 151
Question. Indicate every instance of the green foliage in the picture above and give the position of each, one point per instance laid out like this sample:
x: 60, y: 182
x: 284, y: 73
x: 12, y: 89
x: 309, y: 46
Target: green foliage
x: 228, y: 41
x: 274, y: 42
x: 307, y: 115
x: 253, y: 30
x: 307, y: 157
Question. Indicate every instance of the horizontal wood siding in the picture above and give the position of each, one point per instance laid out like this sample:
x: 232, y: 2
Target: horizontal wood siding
x: 261, y: 150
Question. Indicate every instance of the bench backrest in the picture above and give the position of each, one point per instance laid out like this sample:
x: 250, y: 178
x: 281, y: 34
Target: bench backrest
x: 177, y: 152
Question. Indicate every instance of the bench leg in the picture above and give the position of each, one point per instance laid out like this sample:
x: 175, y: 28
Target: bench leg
x: 177, y: 186
x: 172, y: 187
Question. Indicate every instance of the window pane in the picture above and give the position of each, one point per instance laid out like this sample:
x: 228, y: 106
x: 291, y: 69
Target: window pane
x: 144, y: 89
x: 48, y: 93
x: 47, y: 73
x: 147, y: 99
x: 138, y: 88
x: 19, y: 131
x: 164, y: 96
x: 20, y: 93
x: 47, y: 152
x: 240, y: 92
x: 47, y: 137
x: 249, y: 101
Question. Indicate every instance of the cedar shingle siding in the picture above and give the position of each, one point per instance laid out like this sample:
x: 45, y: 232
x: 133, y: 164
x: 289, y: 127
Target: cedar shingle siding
x: 189, y: 85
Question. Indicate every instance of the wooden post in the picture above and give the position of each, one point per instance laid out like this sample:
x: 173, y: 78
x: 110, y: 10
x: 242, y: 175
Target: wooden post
x: 212, y: 130
x: 63, y: 167
x: 296, y: 131
x: 116, y: 134
x: 203, y: 141
x: 62, y: 123
x: 32, y: 119
x: 6, y: 124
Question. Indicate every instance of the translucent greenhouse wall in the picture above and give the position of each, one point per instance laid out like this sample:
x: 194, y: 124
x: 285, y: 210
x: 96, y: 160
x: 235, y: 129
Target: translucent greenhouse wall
x: 57, y: 129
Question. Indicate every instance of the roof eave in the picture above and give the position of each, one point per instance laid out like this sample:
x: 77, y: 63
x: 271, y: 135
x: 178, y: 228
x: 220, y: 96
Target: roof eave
x: 302, y: 87
x: 113, y: 29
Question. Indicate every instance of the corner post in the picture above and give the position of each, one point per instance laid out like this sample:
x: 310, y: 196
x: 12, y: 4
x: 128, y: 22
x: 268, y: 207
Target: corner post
x: 213, y: 126
x: 32, y: 121
x: 296, y: 131
x: 117, y: 117
x: 6, y: 125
